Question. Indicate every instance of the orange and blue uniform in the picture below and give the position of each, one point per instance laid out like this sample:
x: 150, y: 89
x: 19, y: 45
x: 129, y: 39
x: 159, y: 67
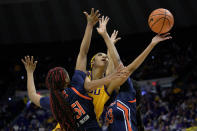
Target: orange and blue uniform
x: 81, y: 103
x: 121, y: 114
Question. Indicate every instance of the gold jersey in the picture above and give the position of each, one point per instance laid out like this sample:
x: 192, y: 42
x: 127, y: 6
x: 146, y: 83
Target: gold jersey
x: 57, y: 127
x: 100, y: 97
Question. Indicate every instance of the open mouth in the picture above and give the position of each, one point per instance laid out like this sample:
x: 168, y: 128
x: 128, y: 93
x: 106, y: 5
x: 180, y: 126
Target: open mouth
x: 104, y: 60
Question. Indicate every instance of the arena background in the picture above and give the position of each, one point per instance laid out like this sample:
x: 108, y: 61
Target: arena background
x: 52, y: 30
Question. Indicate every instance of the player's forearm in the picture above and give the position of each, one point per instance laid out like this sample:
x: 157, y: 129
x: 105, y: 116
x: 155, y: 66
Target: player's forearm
x: 94, y: 84
x: 30, y: 84
x: 33, y: 96
x: 86, y: 40
x: 131, y: 68
x: 138, y: 61
x: 110, y: 67
x: 82, y: 56
x: 112, y: 50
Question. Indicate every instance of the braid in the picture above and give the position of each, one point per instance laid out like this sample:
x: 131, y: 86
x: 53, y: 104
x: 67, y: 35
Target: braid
x: 140, y: 124
x: 59, y: 104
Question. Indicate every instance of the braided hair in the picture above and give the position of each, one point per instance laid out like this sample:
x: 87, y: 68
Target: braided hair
x: 61, y: 109
x: 140, y: 124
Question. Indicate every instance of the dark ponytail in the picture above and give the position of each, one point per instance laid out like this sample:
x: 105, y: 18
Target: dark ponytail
x: 61, y: 109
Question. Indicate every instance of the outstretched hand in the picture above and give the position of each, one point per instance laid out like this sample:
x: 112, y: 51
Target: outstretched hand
x: 102, y: 25
x: 158, y: 38
x: 93, y: 17
x: 29, y: 63
x: 114, y: 38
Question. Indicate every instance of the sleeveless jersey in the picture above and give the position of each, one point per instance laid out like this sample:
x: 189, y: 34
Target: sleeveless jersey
x: 81, y: 103
x: 121, y: 114
x: 100, y: 97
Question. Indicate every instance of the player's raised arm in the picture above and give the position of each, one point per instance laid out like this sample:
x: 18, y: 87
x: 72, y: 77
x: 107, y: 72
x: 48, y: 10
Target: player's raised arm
x: 30, y: 66
x: 110, y: 45
x: 114, y: 39
x: 138, y: 61
x: 92, y: 19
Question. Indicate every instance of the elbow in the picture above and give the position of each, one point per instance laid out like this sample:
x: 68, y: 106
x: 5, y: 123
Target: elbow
x: 90, y: 87
x: 31, y: 96
x: 87, y: 87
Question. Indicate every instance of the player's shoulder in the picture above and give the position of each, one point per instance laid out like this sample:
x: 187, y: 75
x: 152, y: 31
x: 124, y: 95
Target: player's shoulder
x: 79, y: 72
x: 45, y: 102
x: 78, y: 78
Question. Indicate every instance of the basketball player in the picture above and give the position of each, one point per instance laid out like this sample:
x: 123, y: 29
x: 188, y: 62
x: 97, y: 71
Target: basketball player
x: 121, y: 114
x: 63, y: 97
x: 100, y: 67
x: 42, y: 101
x: 58, y: 78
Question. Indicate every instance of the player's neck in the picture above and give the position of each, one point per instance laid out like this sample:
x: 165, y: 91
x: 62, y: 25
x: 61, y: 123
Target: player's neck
x: 97, y: 73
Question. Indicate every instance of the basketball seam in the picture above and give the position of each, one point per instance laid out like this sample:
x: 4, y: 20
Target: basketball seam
x: 159, y: 14
x: 156, y: 22
x: 168, y: 22
x: 160, y: 11
x: 163, y: 22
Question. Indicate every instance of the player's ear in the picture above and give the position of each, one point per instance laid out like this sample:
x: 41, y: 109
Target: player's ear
x: 92, y: 63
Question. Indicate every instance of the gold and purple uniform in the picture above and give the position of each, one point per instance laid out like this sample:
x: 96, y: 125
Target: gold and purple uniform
x: 100, y: 97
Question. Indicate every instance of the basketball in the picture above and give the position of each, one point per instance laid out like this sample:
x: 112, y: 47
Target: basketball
x: 161, y: 21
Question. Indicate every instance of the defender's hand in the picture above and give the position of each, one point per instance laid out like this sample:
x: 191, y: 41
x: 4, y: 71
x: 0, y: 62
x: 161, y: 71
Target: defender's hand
x: 102, y: 25
x: 114, y: 38
x: 93, y: 17
x: 29, y: 63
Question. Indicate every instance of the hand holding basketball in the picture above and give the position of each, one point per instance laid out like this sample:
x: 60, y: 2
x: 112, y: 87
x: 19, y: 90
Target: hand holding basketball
x: 159, y: 38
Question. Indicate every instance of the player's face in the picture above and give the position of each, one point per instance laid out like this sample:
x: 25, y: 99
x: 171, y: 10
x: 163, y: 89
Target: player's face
x: 101, y: 60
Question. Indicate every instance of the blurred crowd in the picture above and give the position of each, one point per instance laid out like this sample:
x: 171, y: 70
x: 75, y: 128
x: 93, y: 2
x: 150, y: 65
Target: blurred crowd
x: 174, y: 60
x: 173, y: 109
x: 32, y: 118
x: 9, y: 111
